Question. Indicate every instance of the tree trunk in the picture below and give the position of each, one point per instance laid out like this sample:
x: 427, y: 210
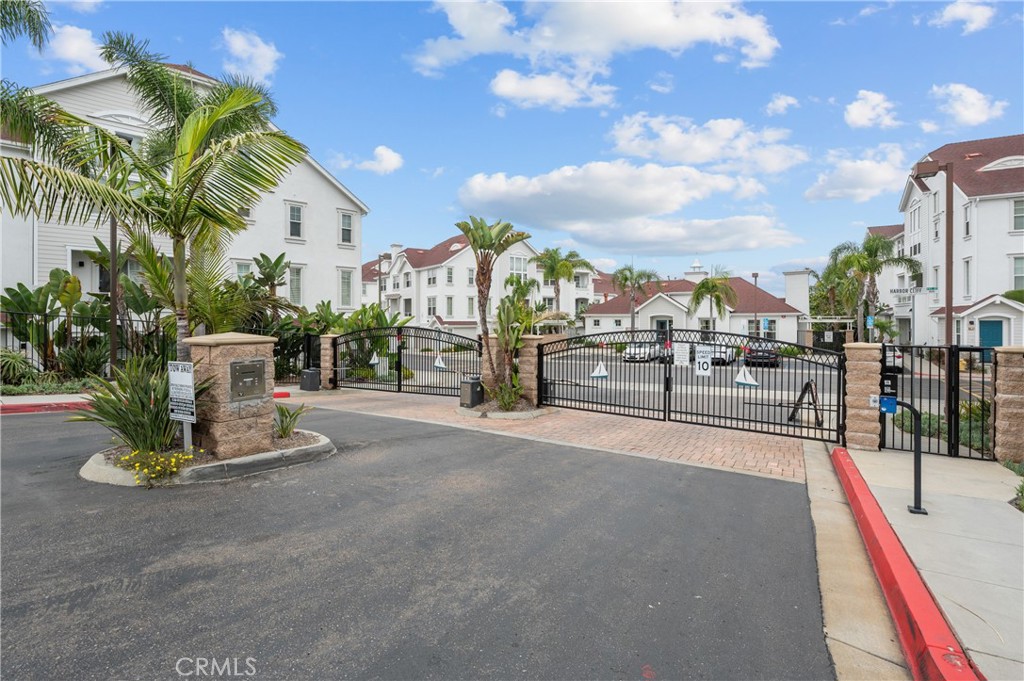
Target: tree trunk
x: 483, y: 289
x: 181, y: 301
x: 632, y: 309
x: 558, y: 295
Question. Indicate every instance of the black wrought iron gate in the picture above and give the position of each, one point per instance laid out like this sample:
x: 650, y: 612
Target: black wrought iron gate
x: 408, y: 359
x: 704, y: 377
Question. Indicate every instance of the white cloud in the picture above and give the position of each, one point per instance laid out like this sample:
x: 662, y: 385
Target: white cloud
x: 83, y: 6
x: 385, y: 161
x: 663, y: 83
x: 870, y: 110
x: 623, y: 207
x: 780, y: 104
x: 569, y: 43
x: 974, y: 15
x: 726, y: 143
x: 77, y: 49
x: 928, y: 126
x: 878, y: 171
x: 553, y: 90
x: 604, y: 264
x: 965, y: 105
x: 339, y: 161
x: 249, y: 55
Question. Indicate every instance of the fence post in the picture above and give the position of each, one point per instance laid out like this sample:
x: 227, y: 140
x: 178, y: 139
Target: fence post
x: 1008, y: 404
x: 953, y: 400
x: 863, y: 377
x: 327, y: 358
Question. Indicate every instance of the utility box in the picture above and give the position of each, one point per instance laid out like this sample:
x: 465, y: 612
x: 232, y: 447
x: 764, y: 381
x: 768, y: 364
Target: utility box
x: 247, y: 380
x: 310, y: 379
x: 472, y: 392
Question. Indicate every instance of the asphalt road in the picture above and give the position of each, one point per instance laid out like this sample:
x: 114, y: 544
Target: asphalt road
x: 418, y: 552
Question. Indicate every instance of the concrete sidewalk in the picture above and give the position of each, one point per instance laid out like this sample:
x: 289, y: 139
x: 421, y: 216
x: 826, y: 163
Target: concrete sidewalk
x: 969, y: 549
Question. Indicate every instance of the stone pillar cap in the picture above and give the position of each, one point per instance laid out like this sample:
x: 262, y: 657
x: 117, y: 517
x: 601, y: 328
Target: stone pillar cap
x: 865, y: 346
x: 1010, y: 350
x: 232, y: 338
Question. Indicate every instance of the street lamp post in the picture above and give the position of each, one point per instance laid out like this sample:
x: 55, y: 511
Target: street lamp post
x: 931, y: 169
x: 757, y: 326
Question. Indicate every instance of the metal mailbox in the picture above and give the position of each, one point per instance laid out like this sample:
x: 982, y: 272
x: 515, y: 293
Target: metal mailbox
x: 248, y: 379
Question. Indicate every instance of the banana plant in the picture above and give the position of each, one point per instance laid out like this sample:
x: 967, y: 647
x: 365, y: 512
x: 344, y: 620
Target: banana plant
x: 68, y: 293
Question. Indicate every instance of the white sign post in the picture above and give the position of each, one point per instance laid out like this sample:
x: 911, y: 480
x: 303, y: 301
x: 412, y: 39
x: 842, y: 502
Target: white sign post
x: 183, y: 397
x: 702, y: 360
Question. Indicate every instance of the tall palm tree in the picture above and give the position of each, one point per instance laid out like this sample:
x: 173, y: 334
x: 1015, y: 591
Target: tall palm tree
x: 488, y: 242
x: 214, y: 155
x: 717, y: 290
x: 630, y: 281
x: 25, y: 17
x: 558, y: 268
x: 864, y: 262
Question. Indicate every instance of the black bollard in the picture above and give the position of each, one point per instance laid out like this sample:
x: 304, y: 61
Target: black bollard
x: 916, y: 509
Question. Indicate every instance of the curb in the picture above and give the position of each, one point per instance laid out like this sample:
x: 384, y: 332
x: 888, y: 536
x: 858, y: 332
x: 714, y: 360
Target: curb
x: 502, y: 415
x: 929, y: 645
x: 7, y: 409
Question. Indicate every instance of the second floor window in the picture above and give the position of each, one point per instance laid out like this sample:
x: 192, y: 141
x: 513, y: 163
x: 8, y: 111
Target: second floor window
x: 967, y: 219
x: 344, y: 228
x: 470, y: 306
x: 407, y: 279
x: 1018, y: 273
x: 517, y: 266
x: 449, y: 275
x: 295, y: 221
x: 432, y: 277
x: 967, y: 278
x: 431, y: 306
x: 470, y: 276
x: 581, y: 280
x: 449, y: 307
x: 1018, y: 214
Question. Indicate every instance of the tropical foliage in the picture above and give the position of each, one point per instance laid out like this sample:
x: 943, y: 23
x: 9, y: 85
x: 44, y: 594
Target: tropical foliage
x: 633, y: 282
x: 25, y: 17
x: 488, y: 243
x: 715, y: 289
x: 559, y: 267
x: 287, y: 419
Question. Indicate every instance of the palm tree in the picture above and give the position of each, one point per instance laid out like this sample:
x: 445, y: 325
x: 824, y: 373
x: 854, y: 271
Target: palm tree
x: 557, y: 267
x: 717, y: 290
x: 488, y: 242
x: 629, y: 281
x: 215, y: 154
x: 864, y: 262
x: 25, y: 17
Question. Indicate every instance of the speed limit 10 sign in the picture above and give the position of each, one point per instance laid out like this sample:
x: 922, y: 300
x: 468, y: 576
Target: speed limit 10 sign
x: 702, y: 360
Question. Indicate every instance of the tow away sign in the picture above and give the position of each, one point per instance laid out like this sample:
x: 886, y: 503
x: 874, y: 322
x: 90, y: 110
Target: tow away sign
x: 183, y: 393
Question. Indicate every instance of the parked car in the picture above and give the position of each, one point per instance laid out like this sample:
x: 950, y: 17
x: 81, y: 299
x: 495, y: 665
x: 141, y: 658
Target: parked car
x: 723, y: 354
x: 893, y: 359
x: 641, y: 352
x: 763, y: 354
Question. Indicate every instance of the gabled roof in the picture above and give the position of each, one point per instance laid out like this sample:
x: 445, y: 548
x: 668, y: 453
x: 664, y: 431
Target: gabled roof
x: 749, y: 298
x: 968, y: 159
x: 429, y: 257
x: 370, y: 271
x: 888, y: 231
x: 960, y: 310
x: 442, y: 322
x: 603, y: 284
x: 620, y: 304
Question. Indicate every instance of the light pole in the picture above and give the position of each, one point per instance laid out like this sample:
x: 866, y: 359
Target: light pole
x: 931, y: 169
x: 757, y: 327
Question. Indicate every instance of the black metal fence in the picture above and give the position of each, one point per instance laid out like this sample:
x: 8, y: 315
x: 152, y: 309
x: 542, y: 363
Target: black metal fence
x: 832, y: 341
x: 709, y: 378
x: 406, y: 359
x: 76, y: 346
x: 952, y: 388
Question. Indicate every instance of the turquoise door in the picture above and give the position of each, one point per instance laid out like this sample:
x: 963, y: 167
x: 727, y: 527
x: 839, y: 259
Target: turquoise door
x: 990, y: 335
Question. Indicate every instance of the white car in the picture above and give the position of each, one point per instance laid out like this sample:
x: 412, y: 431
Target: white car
x: 893, y: 359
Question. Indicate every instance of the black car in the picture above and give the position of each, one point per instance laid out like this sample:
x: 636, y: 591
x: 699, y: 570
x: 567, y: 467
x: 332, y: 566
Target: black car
x: 763, y: 354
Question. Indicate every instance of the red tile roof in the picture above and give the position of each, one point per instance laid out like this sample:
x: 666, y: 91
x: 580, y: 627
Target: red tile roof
x: 603, y: 284
x: 442, y: 322
x: 184, y: 68
x: 428, y: 257
x: 370, y: 272
x: 888, y: 231
x: 969, y: 158
x: 960, y: 309
x: 749, y: 298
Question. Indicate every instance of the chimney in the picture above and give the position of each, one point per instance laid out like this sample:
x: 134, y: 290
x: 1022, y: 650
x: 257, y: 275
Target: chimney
x: 696, y: 272
x: 395, y: 250
x: 798, y: 284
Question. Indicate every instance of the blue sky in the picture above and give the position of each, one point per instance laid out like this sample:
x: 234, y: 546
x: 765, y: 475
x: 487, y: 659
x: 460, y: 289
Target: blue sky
x: 754, y: 136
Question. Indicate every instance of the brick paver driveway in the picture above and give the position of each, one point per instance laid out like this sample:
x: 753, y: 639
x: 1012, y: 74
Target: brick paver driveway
x: 421, y: 551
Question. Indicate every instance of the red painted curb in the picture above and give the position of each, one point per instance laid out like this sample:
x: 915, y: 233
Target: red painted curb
x: 42, y: 407
x: 929, y: 645
x: 282, y: 394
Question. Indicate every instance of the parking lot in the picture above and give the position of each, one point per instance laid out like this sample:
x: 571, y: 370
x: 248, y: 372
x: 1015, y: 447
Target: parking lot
x: 420, y: 551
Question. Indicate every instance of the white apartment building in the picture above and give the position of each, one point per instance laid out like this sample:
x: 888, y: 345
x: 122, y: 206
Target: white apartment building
x: 666, y: 307
x: 987, y: 247
x: 311, y: 216
x: 437, y: 288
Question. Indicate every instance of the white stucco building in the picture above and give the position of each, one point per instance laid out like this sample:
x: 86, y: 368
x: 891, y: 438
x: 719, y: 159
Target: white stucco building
x: 666, y: 307
x: 311, y: 216
x: 987, y: 247
x: 435, y: 286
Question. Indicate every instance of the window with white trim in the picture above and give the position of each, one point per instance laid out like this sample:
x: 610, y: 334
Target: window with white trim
x: 294, y: 221
x: 707, y: 324
x: 449, y: 275
x: 597, y: 323
x: 471, y: 276
x: 431, y: 306
x: 1018, y: 273
x: 470, y: 306
x: 449, y: 307
x: 517, y: 266
x: 407, y: 279
x: 242, y: 269
x: 395, y: 283
x: 581, y: 280
x: 432, y: 277
x: 935, y: 283
x: 345, y: 288
x: 1018, y: 214
x: 967, y: 277
x: 344, y: 229
x: 967, y: 220
x: 915, y: 219
x: 958, y: 331
x: 549, y: 303
x: 618, y: 322
x: 295, y: 285
x: 549, y: 282
x: 407, y: 304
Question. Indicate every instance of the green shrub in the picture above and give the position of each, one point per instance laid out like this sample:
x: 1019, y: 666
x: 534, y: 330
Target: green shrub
x: 15, y: 368
x: 150, y: 466
x: 50, y: 388
x: 790, y: 351
x: 507, y: 395
x: 80, y: 362
x: 427, y: 349
x: 135, y: 405
x: 619, y: 347
x: 932, y: 425
x: 287, y: 419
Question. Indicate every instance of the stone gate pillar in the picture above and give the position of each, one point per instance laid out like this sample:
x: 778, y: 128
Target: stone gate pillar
x: 1009, y: 404
x: 327, y: 373
x: 863, y: 379
x: 235, y: 416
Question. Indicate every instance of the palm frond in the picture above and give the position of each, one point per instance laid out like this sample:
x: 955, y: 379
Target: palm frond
x: 25, y: 17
